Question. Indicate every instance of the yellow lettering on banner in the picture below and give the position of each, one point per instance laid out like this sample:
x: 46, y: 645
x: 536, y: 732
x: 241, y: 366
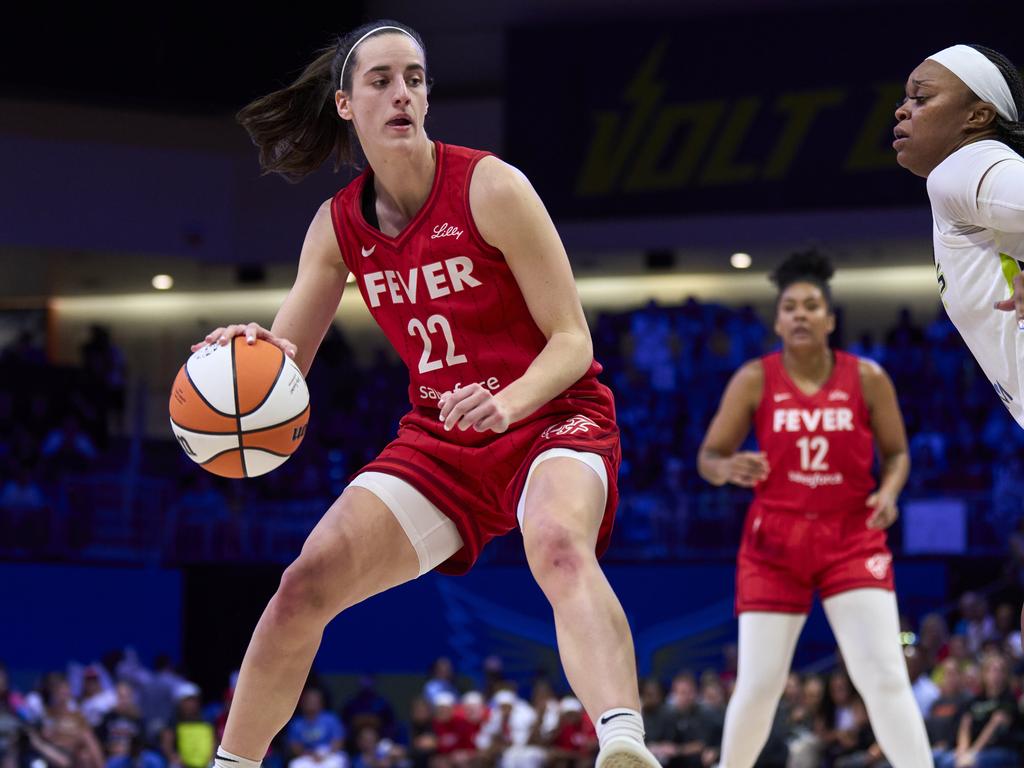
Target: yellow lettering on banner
x: 801, y: 109
x: 869, y: 152
x: 722, y: 167
x: 612, y: 146
x: 701, y: 119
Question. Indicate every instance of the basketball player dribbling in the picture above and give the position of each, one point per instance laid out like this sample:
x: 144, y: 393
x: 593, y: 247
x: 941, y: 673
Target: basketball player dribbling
x: 960, y: 127
x: 462, y: 268
x: 817, y: 521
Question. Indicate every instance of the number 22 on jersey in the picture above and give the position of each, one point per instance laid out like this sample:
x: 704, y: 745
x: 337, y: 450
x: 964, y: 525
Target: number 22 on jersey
x: 434, y: 324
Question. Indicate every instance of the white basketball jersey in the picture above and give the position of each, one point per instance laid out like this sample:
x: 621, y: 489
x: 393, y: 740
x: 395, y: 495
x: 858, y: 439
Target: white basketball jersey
x: 975, y: 266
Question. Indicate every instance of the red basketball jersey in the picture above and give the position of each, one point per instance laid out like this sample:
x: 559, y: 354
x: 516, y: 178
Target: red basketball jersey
x: 820, y: 447
x: 446, y: 300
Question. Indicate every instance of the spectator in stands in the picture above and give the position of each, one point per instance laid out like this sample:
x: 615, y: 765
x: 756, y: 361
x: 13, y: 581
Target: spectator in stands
x: 368, y: 707
x: 943, y: 718
x: 990, y: 735
x: 924, y: 688
x: 315, y: 736
x: 976, y: 624
x: 422, y: 741
x: 124, y: 720
x: 442, y: 680
x: 933, y: 639
x: 1007, y: 630
x: 66, y: 728
x: 574, y: 741
x: 804, y: 724
x: 690, y: 730
x: 456, y: 735
x: 97, y: 696
x: 68, y: 448
x: 505, y: 737
x: 658, y: 721
x: 189, y: 740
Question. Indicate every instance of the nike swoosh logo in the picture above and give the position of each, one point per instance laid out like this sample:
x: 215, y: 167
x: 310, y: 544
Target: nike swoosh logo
x: 224, y: 759
x: 368, y: 251
x: 780, y: 398
x: 607, y: 718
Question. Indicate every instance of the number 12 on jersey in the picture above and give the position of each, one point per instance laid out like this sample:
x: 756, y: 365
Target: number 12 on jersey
x: 815, y: 463
x: 434, y: 324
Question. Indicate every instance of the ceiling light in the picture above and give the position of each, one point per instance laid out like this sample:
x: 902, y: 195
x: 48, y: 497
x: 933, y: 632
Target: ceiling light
x: 163, y: 282
x: 741, y: 260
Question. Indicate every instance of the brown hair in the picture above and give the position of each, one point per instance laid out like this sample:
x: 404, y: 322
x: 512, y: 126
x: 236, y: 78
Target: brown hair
x: 297, y: 127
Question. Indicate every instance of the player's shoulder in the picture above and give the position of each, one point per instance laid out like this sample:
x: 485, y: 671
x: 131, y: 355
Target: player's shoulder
x: 497, y: 181
x: 953, y: 183
x: 749, y: 379
x: 871, y: 374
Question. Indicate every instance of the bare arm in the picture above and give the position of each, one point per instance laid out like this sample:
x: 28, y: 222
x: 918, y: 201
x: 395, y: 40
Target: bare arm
x: 717, y: 460
x: 512, y: 218
x: 891, y: 441
x: 303, y: 319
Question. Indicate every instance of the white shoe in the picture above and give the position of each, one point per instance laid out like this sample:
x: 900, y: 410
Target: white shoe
x: 625, y: 752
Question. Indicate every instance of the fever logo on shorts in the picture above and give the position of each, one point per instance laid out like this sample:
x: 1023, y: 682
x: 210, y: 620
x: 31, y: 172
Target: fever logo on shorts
x: 878, y: 565
x: 574, y: 426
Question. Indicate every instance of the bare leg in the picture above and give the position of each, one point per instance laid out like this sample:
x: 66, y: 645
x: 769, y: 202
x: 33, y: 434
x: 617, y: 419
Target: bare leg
x: 564, y: 508
x: 357, y: 550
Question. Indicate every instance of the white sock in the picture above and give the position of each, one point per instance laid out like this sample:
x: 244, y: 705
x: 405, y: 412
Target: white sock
x: 224, y: 759
x: 619, y: 722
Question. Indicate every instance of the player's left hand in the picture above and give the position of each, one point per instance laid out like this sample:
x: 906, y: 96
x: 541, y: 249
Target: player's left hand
x: 473, y: 406
x: 1016, y: 302
x: 884, y: 511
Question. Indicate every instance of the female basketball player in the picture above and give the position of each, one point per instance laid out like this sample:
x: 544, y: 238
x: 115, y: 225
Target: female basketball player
x: 462, y: 268
x: 817, y: 521
x: 960, y: 127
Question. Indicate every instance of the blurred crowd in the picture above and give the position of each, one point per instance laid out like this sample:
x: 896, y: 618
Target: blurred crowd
x: 59, y: 424
x: 967, y: 680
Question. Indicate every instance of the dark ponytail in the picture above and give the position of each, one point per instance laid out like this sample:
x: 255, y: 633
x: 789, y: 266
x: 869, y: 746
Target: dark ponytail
x: 1009, y: 132
x: 805, y: 267
x: 297, y: 127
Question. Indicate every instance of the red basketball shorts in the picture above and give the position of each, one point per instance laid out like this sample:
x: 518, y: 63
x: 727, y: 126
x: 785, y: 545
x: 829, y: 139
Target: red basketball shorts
x: 785, y: 557
x: 477, y: 484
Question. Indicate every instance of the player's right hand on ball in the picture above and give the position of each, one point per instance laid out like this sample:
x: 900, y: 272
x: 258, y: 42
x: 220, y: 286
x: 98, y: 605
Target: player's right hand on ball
x: 251, y: 331
x: 748, y: 468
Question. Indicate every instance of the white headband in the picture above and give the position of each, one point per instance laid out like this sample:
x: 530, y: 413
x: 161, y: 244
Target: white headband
x: 341, y: 78
x: 981, y: 76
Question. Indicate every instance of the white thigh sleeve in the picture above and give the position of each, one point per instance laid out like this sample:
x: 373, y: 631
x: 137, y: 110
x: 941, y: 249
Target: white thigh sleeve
x: 592, y: 460
x: 432, y: 534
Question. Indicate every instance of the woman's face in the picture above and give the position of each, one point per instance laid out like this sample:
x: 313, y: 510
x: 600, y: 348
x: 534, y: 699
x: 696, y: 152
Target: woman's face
x: 388, y: 99
x: 803, y: 318
x: 938, y: 116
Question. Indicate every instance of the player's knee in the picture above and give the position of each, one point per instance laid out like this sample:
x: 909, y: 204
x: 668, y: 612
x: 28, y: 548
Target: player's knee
x: 557, y: 554
x: 303, y: 592
x: 760, y: 688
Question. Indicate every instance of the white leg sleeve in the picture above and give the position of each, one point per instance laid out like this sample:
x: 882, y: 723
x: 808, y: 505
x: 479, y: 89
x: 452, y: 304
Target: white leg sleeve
x: 866, y: 626
x: 767, y: 642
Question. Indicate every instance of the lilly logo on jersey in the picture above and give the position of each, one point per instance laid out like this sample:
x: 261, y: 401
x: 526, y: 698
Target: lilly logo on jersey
x: 838, y: 394
x: 878, y: 565
x: 438, y: 278
x: 446, y: 230
x: 578, y: 424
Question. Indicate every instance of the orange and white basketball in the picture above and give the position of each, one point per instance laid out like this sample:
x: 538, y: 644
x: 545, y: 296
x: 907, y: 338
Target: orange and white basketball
x: 239, y: 410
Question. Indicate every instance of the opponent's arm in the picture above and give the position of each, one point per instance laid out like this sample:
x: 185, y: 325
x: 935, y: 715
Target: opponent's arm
x: 303, y: 319
x: 891, y: 441
x: 511, y: 217
x: 717, y: 461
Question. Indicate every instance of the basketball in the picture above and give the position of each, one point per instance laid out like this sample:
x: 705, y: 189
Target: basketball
x: 239, y: 410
